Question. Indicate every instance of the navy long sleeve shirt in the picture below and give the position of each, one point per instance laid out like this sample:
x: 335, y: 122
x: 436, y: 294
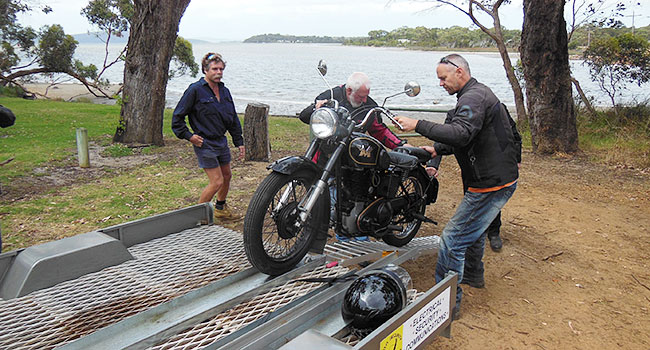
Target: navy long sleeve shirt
x: 208, y: 117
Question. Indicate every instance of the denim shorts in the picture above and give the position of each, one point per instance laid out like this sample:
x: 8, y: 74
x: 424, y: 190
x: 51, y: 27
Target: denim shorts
x: 211, y: 155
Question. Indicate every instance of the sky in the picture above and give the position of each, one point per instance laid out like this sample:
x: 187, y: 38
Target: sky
x: 227, y: 20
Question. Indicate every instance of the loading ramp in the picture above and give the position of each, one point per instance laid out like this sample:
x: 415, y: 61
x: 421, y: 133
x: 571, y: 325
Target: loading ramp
x: 190, y: 286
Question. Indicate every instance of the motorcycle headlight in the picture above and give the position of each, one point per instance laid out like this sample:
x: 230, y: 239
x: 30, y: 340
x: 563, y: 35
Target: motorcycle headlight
x: 323, y: 123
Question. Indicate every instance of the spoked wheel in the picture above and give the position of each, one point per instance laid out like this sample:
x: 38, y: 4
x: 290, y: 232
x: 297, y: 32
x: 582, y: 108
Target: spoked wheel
x: 412, y: 188
x: 273, y: 241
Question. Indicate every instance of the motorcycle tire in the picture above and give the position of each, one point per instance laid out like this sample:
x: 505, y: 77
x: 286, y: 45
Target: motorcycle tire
x: 411, y: 185
x: 271, y: 243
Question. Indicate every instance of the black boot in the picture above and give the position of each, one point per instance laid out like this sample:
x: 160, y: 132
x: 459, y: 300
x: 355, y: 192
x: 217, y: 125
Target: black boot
x: 495, y: 243
x: 473, y: 281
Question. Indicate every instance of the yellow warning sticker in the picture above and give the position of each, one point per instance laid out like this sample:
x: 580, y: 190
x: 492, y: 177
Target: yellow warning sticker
x: 394, y: 340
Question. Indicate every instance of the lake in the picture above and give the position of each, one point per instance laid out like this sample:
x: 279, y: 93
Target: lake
x: 284, y: 75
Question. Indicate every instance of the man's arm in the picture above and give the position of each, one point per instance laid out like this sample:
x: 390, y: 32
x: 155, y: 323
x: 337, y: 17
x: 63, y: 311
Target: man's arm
x: 183, y: 108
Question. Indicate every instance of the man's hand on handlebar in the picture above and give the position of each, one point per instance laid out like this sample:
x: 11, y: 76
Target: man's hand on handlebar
x: 320, y: 103
x: 408, y: 124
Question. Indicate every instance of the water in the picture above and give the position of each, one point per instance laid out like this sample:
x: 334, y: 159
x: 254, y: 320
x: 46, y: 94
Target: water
x: 284, y: 76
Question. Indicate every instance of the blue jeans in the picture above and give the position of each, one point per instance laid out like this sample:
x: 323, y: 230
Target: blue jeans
x: 466, y: 231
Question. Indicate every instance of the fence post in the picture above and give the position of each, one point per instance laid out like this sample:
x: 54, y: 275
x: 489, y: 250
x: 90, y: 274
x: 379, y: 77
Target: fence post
x: 82, y: 148
x: 256, y: 132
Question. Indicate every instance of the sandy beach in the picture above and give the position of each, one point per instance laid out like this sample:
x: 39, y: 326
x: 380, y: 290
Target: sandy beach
x: 70, y: 92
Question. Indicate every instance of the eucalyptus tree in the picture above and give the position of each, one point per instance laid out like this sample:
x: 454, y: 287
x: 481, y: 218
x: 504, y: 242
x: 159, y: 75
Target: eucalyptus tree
x: 153, y: 42
x: 545, y: 60
x: 25, y: 51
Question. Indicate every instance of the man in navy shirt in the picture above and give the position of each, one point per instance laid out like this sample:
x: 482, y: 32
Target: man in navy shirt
x: 211, y: 112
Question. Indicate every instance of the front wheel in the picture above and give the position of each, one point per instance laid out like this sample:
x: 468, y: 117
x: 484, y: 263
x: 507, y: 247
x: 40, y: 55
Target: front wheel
x: 273, y: 243
x: 414, y: 191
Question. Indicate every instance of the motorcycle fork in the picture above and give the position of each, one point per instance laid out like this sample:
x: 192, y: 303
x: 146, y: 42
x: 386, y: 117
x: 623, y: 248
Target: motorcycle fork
x: 305, y: 207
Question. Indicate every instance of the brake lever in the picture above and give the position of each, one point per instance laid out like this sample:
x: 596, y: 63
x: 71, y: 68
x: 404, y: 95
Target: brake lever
x: 391, y: 116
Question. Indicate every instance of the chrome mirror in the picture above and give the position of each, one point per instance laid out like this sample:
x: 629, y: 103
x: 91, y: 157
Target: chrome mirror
x: 412, y: 88
x: 322, y: 67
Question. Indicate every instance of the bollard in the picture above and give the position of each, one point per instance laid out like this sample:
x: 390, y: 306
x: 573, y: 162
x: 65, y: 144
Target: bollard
x: 82, y: 148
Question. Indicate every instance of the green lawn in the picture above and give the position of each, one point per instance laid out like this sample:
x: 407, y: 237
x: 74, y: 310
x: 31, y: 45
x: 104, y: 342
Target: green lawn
x: 44, y: 137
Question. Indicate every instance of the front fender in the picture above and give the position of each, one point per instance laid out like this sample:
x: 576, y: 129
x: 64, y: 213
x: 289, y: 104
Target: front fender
x: 291, y: 164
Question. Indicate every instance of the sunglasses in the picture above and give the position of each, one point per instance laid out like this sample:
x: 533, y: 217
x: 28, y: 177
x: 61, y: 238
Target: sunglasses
x: 446, y: 61
x: 214, y: 56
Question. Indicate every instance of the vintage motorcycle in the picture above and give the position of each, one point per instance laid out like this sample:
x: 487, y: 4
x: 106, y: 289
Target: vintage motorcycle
x: 379, y: 193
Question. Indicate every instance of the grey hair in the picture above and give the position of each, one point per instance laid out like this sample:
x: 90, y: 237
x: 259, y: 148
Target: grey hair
x: 357, y: 80
x: 459, y: 61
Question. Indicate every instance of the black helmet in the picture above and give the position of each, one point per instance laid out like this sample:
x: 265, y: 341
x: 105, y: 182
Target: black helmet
x: 375, y: 297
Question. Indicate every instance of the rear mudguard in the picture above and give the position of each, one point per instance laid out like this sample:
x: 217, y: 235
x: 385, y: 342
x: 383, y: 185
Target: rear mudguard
x: 430, y: 183
x: 288, y: 166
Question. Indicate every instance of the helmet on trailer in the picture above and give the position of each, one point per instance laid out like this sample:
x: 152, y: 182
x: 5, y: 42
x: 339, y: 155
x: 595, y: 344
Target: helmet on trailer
x: 375, y: 297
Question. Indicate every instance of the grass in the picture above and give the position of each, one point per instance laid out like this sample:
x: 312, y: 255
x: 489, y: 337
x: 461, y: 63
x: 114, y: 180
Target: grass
x: 44, y: 135
x: 617, y: 137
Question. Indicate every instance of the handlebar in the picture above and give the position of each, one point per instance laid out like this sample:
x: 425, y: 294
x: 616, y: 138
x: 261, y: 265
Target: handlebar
x: 383, y: 111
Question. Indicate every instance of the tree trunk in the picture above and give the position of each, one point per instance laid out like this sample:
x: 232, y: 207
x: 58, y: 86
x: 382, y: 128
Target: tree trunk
x: 154, y: 27
x: 545, y: 58
x: 256, y: 132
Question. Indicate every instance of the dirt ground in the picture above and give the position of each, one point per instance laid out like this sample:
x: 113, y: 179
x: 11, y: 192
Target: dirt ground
x: 573, y: 272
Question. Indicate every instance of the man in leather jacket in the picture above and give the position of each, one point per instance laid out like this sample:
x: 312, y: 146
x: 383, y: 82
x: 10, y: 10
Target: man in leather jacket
x: 353, y: 95
x: 478, y: 132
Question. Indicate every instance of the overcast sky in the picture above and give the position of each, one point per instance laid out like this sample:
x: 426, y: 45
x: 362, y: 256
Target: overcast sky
x: 218, y: 20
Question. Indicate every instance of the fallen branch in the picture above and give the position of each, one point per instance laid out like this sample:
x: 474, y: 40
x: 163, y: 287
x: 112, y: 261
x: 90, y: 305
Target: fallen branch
x: 573, y: 330
x: 6, y: 161
x: 506, y: 274
x: 553, y: 255
x: 639, y: 282
x: 526, y: 255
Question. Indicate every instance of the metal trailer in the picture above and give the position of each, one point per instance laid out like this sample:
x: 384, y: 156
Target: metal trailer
x: 172, y: 281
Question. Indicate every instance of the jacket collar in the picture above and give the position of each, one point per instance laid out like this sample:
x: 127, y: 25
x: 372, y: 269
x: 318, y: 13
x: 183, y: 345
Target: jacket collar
x: 469, y: 84
x: 205, y: 82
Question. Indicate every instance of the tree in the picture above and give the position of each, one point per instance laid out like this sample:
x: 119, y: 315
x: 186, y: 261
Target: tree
x: 616, y: 60
x: 491, y: 8
x: 113, y: 17
x: 153, y: 32
x: 545, y: 59
x: 47, y: 51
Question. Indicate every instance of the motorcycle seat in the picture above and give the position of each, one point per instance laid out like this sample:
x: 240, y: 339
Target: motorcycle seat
x: 403, y: 160
x: 422, y: 155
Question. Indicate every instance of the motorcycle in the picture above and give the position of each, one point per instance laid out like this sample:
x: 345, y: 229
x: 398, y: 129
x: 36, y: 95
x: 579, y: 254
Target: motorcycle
x: 378, y: 192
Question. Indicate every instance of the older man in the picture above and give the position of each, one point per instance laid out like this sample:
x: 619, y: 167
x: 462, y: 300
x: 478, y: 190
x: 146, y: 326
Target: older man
x: 478, y: 132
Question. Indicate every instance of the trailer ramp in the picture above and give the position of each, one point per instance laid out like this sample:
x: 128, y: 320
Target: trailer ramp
x: 189, y: 290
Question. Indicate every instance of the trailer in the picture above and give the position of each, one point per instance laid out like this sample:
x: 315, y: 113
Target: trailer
x: 177, y: 281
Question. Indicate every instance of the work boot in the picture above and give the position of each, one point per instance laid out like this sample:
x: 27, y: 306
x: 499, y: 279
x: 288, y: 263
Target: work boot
x: 225, y: 214
x: 495, y: 243
x: 475, y: 282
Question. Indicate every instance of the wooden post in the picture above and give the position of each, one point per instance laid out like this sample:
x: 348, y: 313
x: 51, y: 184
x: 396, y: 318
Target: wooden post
x: 256, y: 132
x: 82, y: 148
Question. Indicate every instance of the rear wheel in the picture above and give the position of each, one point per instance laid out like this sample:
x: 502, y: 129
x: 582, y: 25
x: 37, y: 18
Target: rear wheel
x: 413, y: 189
x: 273, y: 243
